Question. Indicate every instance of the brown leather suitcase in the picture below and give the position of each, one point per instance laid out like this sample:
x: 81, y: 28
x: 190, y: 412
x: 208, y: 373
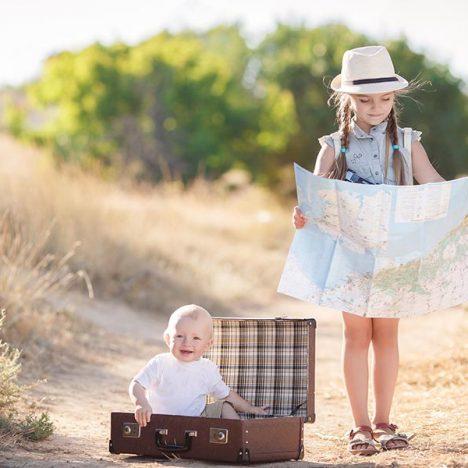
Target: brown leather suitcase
x: 268, y: 362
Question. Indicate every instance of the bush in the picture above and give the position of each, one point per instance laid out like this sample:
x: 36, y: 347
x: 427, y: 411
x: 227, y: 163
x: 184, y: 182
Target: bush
x: 37, y: 427
x: 12, y: 428
x: 10, y: 390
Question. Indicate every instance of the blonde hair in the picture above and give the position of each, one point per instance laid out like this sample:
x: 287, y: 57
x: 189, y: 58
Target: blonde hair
x: 193, y: 311
x: 342, y: 103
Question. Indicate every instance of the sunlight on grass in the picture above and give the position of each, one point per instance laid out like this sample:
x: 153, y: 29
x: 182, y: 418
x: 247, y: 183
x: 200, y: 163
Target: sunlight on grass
x: 154, y: 247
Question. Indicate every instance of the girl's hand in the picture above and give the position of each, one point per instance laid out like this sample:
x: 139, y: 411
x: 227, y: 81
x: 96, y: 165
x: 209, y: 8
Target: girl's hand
x: 299, y: 220
x: 143, y: 414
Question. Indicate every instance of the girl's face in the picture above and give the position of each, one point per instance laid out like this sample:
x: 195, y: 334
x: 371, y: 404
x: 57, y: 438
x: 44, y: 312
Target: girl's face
x: 372, y: 108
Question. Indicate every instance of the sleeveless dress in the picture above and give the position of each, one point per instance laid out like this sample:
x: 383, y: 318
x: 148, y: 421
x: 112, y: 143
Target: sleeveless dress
x: 366, y: 152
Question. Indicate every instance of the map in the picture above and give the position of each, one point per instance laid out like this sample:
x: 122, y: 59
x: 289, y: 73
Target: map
x: 379, y: 250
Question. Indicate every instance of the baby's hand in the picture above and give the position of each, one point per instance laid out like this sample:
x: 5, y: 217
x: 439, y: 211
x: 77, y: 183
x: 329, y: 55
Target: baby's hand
x: 143, y: 414
x: 299, y: 220
x: 262, y: 410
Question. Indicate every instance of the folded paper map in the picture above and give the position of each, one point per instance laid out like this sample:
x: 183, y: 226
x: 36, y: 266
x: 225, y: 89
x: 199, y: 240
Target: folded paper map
x: 379, y: 250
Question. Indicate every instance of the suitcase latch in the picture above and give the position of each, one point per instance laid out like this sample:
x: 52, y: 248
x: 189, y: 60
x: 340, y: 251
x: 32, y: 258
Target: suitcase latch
x: 218, y: 436
x: 162, y: 445
x: 131, y: 429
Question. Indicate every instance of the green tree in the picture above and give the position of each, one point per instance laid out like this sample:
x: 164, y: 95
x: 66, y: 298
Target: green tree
x: 191, y: 102
x: 83, y: 92
x: 303, y: 61
x: 439, y: 109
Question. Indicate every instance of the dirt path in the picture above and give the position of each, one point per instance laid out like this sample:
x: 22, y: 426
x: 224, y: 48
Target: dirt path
x: 81, y: 397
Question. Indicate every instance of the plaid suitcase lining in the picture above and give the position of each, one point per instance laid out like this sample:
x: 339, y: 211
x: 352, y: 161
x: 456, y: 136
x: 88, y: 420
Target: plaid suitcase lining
x: 265, y: 361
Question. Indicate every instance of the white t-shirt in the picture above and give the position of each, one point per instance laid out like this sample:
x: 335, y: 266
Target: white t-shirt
x: 180, y: 388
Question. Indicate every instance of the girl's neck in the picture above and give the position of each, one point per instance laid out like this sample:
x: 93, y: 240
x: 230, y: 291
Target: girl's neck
x: 363, y: 125
x: 366, y: 127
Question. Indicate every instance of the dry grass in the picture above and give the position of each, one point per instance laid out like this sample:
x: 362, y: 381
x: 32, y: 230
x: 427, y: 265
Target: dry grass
x: 446, y: 371
x: 430, y: 399
x: 154, y: 247
x: 28, y: 279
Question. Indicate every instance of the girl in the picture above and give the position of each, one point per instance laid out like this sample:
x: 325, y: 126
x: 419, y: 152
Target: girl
x: 369, y: 148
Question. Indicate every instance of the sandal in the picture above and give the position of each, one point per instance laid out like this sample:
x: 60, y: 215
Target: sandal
x: 385, y: 433
x: 369, y: 443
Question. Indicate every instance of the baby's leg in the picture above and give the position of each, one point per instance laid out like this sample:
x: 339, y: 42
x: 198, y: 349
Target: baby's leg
x: 228, y: 412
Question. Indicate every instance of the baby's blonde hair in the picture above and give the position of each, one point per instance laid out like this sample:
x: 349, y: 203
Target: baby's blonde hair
x: 193, y: 311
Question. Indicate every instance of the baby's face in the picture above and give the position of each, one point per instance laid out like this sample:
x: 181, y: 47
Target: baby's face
x: 190, y: 339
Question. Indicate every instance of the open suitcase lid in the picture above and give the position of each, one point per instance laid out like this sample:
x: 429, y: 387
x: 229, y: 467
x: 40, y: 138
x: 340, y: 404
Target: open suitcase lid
x: 268, y: 362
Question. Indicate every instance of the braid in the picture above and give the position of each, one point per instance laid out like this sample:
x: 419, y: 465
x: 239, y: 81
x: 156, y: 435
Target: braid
x: 343, y: 117
x: 397, y: 155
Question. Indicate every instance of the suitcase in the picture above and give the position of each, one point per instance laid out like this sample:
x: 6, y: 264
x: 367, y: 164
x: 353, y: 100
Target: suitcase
x: 268, y: 362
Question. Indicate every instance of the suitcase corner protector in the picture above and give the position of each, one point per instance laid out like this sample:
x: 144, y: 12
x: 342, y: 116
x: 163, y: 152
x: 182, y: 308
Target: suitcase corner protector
x: 301, y: 452
x: 111, y: 447
x: 312, y: 322
x: 243, y: 456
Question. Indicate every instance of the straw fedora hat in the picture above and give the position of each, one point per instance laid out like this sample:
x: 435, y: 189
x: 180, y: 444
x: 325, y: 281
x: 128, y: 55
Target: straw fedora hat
x: 367, y: 70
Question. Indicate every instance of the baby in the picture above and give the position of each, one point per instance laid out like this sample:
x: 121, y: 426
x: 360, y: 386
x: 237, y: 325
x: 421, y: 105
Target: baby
x: 179, y: 381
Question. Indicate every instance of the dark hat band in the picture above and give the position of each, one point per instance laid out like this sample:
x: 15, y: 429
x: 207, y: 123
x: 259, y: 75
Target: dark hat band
x: 370, y: 80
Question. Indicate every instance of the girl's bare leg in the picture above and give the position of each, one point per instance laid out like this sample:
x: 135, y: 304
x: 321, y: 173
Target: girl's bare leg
x: 357, y: 338
x: 386, y: 360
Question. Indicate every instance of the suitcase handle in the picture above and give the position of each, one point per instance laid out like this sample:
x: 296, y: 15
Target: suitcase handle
x: 163, y: 446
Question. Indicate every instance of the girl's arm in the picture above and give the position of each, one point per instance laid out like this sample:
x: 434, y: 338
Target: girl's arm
x: 325, y: 160
x: 423, y: 170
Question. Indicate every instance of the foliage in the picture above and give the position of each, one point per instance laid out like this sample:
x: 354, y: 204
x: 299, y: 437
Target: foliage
x: 32, y: 427
x: 204, y: 102
x: 37, y: 428
x: 10, y: 390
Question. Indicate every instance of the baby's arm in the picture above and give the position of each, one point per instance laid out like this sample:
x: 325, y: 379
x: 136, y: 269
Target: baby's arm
x: 423, y: 170
x: 244, y: 406
x: 143, y: 409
